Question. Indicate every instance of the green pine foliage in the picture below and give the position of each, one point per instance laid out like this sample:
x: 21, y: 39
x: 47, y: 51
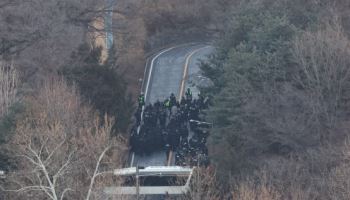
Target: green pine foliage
x: 253, y: 73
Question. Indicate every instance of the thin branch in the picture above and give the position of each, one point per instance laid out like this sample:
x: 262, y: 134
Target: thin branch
x: 96, y: 172
x: 55, y: 149
x: 43, y: 167
x: 30, y: 160
x: 47, y: 189
x: 103, y: 173
x: 60, y: 171
x: 42, y: 146
x: 29, y: 188
x: 64, y: 192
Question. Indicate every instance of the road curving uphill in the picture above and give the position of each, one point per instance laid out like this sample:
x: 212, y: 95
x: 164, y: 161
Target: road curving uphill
x: 170, y: 71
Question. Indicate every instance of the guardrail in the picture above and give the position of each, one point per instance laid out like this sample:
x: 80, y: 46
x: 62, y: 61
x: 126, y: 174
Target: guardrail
x: 152, y: 171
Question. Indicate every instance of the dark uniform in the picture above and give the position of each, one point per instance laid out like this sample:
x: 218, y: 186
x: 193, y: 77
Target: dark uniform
x: 200, y: 101
x: 138, y: 116
x: 172, y: 100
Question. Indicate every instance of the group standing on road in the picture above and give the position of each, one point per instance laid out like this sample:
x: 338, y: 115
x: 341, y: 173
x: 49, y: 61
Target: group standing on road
x: 172, y: 125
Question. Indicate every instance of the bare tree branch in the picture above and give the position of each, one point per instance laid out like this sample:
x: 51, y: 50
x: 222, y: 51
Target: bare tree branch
x: 96, y: 172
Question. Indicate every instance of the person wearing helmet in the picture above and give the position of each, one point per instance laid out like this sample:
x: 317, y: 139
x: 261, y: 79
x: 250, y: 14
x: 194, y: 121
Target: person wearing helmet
x: 141, y: 100
x: 167, y: 104
x: 188, y: 94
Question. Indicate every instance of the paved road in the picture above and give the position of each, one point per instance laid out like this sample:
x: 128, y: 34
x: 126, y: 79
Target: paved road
x: 167, y: 71
x: 194, y: 73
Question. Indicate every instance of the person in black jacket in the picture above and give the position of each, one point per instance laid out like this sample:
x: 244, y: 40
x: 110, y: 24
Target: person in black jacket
x: 172, y: 100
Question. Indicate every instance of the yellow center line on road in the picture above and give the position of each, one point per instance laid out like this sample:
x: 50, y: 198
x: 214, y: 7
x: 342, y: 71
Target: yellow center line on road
x: 182, y: 86
x: 185, y: 73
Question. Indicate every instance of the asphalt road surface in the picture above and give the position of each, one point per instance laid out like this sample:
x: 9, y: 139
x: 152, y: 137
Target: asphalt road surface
x: 168, y: 73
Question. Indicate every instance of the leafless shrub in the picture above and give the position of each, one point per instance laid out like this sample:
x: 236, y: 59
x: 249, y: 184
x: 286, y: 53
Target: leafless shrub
x: 317, y: 174
x: 323, y: 61
x: 260, y: 189
x: 204, y: 186
x: 8, y: 87
x: 60, y: 102
x: 61, y: 149
x: 40, y: 35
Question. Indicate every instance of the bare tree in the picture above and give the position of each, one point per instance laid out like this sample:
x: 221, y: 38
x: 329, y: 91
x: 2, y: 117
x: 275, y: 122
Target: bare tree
x: 55, y: 160
x: 40, y: 35
x: 8, y: 87
x: 323, y: 61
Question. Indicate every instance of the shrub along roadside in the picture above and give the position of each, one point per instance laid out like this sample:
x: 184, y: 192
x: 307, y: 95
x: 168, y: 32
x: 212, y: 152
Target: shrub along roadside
x: 101, y: 85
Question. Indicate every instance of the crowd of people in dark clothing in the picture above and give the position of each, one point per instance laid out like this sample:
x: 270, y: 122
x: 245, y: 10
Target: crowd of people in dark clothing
x: 174, y: 126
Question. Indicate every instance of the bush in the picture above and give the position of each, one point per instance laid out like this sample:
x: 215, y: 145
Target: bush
x: 101, y: 85
x: 7, y: 128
